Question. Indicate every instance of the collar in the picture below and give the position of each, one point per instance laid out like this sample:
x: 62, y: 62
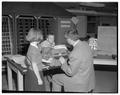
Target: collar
x: 34, y: 44
x: 51, y: 44
x: 75, y: 43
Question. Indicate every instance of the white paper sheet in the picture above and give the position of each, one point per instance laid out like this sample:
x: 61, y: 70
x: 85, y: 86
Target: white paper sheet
x: 60, y: 47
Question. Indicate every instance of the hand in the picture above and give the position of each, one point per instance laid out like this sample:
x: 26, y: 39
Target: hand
x: 55, y: 62
x: 40, y: 82
x: 62, y: 60
x: 51, y: 60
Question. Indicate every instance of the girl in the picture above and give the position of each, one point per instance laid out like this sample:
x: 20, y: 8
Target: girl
x: 34, y: 77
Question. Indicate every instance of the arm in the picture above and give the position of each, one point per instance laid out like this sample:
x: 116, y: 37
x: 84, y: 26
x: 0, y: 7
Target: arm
x: 36, y: 71
x: 33, y: 58
x: 72, y: 67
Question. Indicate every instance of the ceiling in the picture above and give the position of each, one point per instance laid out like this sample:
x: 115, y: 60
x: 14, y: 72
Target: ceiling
x: 65, y: 8
x: 103, y: 7
x: 36, y: 8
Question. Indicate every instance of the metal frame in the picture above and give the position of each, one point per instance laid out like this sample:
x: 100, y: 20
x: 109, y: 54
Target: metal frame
x: 10, y: 67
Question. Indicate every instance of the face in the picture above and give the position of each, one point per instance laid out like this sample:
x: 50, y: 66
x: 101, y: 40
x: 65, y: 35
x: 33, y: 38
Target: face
x: 40, y: 38
x: 51, y: 38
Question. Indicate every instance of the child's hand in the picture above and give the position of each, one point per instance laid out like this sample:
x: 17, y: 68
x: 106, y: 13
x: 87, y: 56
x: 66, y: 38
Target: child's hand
x: 40, y: 82
x: 52, y: 61
x: 62, y: 60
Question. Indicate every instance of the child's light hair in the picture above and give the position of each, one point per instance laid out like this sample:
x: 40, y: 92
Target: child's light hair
x: 34, y: 35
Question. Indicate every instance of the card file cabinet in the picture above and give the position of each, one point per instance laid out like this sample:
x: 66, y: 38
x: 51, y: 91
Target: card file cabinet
x: 24, y: 24
x: 46, y: 25
x: 6, y: 36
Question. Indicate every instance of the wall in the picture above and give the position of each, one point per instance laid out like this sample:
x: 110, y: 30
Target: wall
x: 65, y: 24
x: 95, y: 21
x: 111, y: 21
x: 82, y: 26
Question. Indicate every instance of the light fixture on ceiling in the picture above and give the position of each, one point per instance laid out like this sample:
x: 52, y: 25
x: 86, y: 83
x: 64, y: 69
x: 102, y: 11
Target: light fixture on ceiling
x: 92, y: 4
x: 90, y: 12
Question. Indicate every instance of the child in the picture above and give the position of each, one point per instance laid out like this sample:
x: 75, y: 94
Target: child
x: 47, y: 46
x: 49, y: 42
x: 34, y: 77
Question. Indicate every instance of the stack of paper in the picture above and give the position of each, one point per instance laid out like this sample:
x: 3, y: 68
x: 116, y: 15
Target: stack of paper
x: 60, y: 47
x: 19, y: 59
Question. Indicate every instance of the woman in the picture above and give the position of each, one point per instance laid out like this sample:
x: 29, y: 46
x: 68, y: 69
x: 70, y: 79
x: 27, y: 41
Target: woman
x: 34, y: 77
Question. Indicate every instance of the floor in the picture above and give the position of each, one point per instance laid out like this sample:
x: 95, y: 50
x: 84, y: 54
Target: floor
x: 106, y: 81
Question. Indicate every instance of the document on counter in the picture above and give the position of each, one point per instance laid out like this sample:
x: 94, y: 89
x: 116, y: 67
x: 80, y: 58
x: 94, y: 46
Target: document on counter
x: 18, y: 59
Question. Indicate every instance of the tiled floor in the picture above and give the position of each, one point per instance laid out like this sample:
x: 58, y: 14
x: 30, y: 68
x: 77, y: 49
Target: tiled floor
x: 106, y: 81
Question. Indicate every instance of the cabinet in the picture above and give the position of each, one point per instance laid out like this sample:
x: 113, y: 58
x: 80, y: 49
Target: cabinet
x: 6, y: 35
x: 24, y: 23
x: 47, y: 25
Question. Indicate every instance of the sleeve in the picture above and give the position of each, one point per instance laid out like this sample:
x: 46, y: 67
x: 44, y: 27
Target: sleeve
x: 72, y: 67
x: 45, y: 44
x: 46, y: 52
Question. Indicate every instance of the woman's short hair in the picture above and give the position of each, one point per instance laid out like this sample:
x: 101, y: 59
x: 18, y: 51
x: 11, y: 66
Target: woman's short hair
x: 72, y: 34
x: 34, y: 35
